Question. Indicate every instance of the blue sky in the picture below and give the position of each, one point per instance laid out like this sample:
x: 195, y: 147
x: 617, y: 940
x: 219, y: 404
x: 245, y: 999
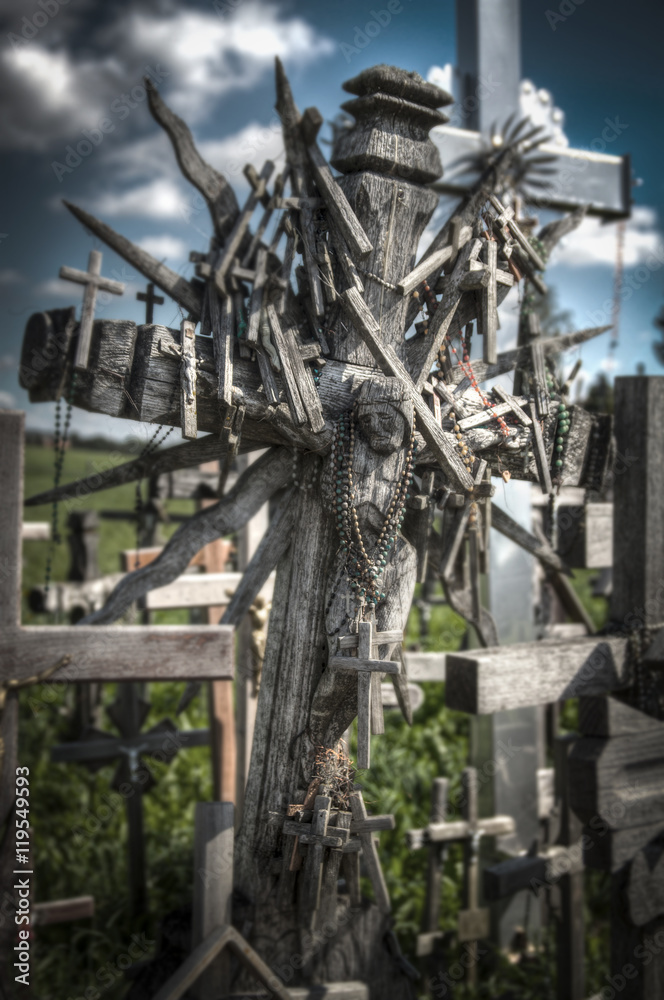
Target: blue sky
x: 214, y: 62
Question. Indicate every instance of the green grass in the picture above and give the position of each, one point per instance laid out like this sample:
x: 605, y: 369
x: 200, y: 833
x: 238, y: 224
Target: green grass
x: 66, y: 798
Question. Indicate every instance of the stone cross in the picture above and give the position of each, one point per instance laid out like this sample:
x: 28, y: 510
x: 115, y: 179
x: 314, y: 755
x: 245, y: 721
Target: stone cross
x: 93, y: 283
x: 367, y: 667
x: 151, y: 300
x: 489, y: 73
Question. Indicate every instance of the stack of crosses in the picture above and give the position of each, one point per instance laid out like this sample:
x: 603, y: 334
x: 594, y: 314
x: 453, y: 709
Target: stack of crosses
x: 280, y: 368
x: 616, y: 766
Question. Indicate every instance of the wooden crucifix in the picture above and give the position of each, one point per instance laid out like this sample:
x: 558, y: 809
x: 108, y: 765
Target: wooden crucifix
x: 369, y: 670
x: 151, y: 300
x: 93, y: 282
x: 360, y: 443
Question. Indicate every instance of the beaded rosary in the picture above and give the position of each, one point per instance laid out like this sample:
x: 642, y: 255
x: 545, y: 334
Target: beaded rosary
x: 364, y: 572
x: 59, y: 446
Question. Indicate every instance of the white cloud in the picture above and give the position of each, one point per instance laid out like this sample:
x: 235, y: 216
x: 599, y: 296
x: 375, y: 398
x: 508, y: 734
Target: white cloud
x: 10, y: 276
x: 201, y: 56
x: 593, y: 244
x: 54, y: 286
x: 159, y: 199
x: 443, y: 77
x: 165, y: 247
x: 7, y: 401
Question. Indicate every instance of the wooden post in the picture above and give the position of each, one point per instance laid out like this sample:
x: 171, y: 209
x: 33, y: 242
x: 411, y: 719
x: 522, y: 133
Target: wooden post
x: 213, y: 887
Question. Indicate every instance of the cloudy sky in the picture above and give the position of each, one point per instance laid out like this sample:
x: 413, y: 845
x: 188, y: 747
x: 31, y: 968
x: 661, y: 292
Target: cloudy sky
x: 67, y: 67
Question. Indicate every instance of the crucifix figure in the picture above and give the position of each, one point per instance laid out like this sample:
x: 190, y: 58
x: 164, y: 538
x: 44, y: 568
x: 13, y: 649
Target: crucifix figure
x: 93, y: 283
x: 151, y: 300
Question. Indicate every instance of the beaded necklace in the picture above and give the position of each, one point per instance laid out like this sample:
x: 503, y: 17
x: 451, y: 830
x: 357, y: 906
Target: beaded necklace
x: 365, y: 571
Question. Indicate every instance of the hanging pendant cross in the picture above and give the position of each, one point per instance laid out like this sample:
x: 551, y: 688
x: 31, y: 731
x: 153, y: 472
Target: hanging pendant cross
x: 93, y: 282
x: 369, y: 669
x: 151, y: 300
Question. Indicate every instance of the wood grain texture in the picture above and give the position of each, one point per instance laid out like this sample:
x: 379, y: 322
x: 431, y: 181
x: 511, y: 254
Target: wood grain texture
x: 213, y: 884
x: 132, y: 652
x: 492, y: 680
x: 12, y: 431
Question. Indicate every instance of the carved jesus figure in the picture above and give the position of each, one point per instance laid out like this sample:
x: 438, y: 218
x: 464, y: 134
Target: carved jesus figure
x: 383, y: 421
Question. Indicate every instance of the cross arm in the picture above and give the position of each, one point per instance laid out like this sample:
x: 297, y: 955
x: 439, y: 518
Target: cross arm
x: 120, y: 653
x: 85, y: 278
x: 535, y: 673
x: 372, y: 666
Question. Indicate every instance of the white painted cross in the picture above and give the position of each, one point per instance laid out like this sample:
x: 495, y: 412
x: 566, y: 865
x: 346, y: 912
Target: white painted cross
x: 93, y: 283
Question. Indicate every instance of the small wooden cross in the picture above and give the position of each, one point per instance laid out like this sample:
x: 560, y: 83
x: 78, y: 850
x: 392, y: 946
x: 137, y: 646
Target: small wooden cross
x: 151, y: 300
x: 484, y: 276
x: 365, y: 642
x: 93, y: 282
x: 364, y: 826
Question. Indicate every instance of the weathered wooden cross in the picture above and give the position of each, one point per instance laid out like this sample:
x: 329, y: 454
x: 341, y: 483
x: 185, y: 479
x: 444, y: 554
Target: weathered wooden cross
x: 369, y: 669
x: 473, y: 920
x: 151, y: 300
x: 93, y: 283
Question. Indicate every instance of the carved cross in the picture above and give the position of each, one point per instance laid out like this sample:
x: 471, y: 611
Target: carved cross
x: 93, y: 282
x: 367, y: 668
x: 151, y: 300
x: 186, y: 351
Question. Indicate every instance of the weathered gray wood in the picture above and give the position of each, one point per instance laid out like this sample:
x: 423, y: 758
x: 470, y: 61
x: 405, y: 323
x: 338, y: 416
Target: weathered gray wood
x: 518, y: 412
x: 440, y: 445
x: 427, y: 266
x: 645, y: 885
x: 256, y: 302
x: 492, y: 680
x: 185, y: 293
x: 619, y: 779
x: 541, y: 457
x: 11, y: 515
x: 92, y: 281
x: 60, y: 911
x: 447, y: 833
x: 539, y: 548
x: 436, y: 860
x: 214, y: 187
x: 613, y: 717
x: 289, y: 379
x: 222, y: 319
x: 340, y: 211
x: 305, y: 382
x: 540, y: 392
x: 369, y: 851
x: 205, y: 953
x: 425, y: 666
x: 233, y: 243
x: 132, y: 652
x: 279, y: 184
x: 270, y: 472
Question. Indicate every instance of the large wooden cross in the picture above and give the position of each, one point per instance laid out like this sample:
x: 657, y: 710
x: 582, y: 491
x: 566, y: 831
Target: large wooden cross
x: 488, y: 68
x: 93, y: 283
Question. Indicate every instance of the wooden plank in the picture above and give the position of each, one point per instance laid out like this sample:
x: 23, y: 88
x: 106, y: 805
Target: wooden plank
x: 425, y: 666
x: 540, y: 454
x: 290, y: 382
x: 337, y: 205
x: 610, y: 850
x: 35, y: 531
x: 598, y: 535
x: 12, y: 433
x: 542, y: 400
x: 363, y: 719
x: 620, y: 779
x: 612, y: 717
x: 411, y: 281
x: 483, y: 416
x: 645, y: 885
x: 213, y: 884
x: 256, y: 302
x: 200, y: 590
x: 61, y: 911
x: 518, y: 412
x: 494, y: 679
x: 305, y: 382
x: 222, y: 317
x: 267, y: 377
x: 490, y: 304
x: 232, y: 245
x: 118, y: 653
x: 370, y: 854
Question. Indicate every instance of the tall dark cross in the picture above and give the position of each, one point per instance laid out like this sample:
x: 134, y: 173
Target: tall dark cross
x: 133, y: 777
x: 489, y: 75
x: 151, y: 300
